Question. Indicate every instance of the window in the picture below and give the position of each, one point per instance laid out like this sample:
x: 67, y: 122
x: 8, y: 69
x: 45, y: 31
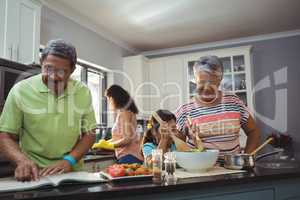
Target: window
x: 95, y: 79
x: 94, y: 82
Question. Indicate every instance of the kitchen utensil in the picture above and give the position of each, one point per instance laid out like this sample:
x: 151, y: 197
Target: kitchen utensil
x: 261, y: 146
x: 197, y: 161
x: 180, y: 145
x: 199, y: 143
x: 244, y: 161
x: 157, y: 117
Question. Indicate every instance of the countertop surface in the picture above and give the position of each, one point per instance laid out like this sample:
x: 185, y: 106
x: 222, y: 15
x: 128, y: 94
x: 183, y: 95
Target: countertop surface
x: 106, y: 190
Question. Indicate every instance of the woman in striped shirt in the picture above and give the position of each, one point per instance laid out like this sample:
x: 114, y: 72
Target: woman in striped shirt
x: 215, y: 115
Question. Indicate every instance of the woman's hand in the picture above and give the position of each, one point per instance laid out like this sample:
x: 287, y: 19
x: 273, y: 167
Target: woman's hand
x: 59, y: 167
x: 193, y: 131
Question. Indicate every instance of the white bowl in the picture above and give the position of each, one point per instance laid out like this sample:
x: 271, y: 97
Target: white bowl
x: 197, y: 161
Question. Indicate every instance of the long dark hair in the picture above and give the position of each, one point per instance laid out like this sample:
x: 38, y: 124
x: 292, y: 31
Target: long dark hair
x: 121, y: 98
x: 166, y: 116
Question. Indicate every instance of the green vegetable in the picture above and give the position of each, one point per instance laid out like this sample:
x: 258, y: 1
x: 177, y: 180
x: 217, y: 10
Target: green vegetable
x: 197, y: 150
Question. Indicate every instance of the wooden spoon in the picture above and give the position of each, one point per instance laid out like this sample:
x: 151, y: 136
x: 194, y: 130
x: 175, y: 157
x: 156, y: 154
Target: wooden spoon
x: 199, y: 143
x: 180, y: 145
x: 261, y: 146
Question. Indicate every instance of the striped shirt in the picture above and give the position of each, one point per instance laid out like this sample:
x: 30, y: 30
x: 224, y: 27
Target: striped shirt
x: 219, y: 124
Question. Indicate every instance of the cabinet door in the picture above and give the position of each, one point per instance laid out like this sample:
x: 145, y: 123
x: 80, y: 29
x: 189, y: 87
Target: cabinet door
x: 11, y: 31
x: 29, y: 31
x: 156, y: 78
x: 21, y: 30
x: 2, y: 24
x: 174, y: 86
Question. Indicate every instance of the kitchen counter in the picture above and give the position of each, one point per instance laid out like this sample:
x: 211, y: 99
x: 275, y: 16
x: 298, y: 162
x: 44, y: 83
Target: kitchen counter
x: 266, y: 184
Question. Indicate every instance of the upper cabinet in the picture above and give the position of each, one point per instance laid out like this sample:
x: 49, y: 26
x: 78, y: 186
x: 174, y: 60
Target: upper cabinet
x: 168, y: 90
x: 20, y: 30
x: 135, y: 77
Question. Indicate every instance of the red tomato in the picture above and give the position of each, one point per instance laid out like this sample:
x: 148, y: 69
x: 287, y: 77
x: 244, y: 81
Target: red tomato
x: 116, y: 171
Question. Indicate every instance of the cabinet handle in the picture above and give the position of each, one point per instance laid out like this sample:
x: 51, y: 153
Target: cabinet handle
x: 18, y: 52
x: 10, y: 50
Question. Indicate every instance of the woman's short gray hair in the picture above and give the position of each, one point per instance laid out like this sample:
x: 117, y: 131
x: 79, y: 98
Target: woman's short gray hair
x: 60, y: 48
x: 209, y: 64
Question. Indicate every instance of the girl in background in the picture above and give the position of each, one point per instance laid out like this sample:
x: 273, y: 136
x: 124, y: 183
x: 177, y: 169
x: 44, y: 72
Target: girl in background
x: 125, y: 140
x: 158, y: 137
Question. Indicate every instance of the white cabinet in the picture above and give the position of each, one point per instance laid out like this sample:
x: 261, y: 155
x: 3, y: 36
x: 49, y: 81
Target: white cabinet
x: 2, y: 21
x: 156, y: 80
x: 135, y: 79
x: 20, y: 30
x: 166, y: 76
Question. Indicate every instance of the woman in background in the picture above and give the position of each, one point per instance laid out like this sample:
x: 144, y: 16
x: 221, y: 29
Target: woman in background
x: 125, y: 140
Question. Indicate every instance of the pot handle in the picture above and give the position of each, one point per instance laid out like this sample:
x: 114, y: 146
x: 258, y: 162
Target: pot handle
x: 268, y: 154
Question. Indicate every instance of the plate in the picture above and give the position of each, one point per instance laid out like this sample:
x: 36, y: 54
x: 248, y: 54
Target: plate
x: 126, y: 178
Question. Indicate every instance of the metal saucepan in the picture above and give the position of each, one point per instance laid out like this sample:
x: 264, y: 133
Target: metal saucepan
x: 244, y: 161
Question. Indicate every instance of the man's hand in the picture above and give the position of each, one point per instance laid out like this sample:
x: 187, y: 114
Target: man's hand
x: 26, y: 170
x: 59, y: 167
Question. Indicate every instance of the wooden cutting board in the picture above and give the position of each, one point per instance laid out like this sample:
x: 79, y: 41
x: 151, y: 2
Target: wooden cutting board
x: 180, y: 173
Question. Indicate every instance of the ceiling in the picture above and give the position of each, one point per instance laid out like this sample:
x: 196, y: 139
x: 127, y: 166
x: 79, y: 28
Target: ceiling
x: 155, y: 24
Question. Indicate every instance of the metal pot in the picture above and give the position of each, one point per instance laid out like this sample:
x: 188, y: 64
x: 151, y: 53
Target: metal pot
x: 244, y: 161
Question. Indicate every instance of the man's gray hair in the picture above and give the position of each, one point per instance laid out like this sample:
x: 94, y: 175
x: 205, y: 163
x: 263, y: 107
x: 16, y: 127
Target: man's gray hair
x: 209, y: 64
x: 60, y: 48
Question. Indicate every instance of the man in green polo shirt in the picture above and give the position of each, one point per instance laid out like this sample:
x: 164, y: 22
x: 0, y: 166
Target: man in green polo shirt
x: 48, y: 123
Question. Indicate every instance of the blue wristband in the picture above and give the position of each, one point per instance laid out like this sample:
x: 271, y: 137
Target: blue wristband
x: 70, y: 159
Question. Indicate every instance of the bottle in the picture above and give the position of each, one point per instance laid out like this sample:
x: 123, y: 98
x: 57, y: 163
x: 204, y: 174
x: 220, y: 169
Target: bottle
x: 157, y: 165
x: 170, y: 168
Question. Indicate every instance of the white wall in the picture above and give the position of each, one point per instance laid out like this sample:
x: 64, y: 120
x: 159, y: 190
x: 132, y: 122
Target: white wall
x: 90, y: 46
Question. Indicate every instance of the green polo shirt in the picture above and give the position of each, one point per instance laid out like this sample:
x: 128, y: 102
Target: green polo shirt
x: 48, y: 126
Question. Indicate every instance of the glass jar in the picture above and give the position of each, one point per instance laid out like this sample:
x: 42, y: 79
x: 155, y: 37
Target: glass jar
x: 157, y: 165
x: 170, y: 167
